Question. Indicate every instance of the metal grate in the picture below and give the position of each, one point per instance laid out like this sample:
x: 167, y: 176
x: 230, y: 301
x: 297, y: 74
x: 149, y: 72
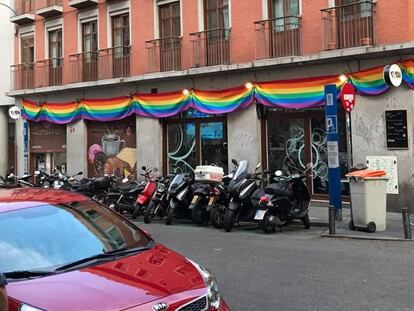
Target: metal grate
x: 197, y: 305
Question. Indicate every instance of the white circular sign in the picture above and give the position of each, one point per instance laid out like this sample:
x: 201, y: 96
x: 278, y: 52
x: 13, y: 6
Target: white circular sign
x: 15, y: 112
x: 393, y: 75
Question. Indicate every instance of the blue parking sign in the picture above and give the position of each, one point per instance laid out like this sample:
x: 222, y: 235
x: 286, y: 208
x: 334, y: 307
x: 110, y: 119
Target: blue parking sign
x: 331, y: 124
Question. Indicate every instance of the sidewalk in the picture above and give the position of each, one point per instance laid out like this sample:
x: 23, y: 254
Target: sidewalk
x: 319, y: 217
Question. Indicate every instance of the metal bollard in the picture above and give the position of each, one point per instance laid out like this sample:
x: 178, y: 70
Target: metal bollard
x: 406, y: 223
x: 332, y: 216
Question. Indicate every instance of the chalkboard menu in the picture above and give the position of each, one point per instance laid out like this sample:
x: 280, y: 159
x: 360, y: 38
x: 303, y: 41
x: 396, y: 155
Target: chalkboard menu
x: 396, y: 125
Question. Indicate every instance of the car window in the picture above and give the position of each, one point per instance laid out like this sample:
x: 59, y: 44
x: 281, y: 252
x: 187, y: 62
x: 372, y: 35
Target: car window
x: 47, y: 236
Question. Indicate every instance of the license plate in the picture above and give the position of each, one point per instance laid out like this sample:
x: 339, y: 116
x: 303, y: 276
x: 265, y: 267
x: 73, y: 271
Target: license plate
x: 211, y: 201
x: 259, y: 215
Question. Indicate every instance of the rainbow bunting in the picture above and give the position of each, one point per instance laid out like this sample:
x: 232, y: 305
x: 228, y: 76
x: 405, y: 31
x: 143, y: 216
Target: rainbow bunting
x: 293, y: 94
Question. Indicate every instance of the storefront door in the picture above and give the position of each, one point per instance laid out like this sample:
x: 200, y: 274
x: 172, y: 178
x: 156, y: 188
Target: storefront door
x: 47, y: 147
x: 195, y: 139
x: 296, y: 139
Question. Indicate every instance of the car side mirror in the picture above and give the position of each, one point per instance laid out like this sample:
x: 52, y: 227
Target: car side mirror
x: 279, y: 173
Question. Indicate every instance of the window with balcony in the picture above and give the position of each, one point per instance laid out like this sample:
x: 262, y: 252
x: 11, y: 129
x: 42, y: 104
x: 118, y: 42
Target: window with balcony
x: 348, y: 24
x: 280, y: 35
x: 23, y: 73
x: 164, y: 54
x: 114, y: 62
x: 212, y: 46
x: 50, y: 70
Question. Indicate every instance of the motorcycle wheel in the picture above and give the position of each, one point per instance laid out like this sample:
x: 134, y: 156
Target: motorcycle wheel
x: 198, y: 214
x: 216, y: 217
x: 137, y: 210
x: 266, y: 225
x: 306, y: 221
x: 150, y: 212
x: 170, y: 216
x: 229, y: 219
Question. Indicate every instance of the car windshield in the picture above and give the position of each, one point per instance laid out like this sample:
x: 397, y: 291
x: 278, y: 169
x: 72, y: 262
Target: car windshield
x: 241, y: 170
x: 47, y: 236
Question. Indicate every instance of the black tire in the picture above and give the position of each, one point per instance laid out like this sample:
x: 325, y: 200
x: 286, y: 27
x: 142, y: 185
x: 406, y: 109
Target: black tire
x: 371, y: 227
x: 198, y: 214
x: 306, y: 221
x: 266, y: 225
x: 150, y: 212
x: 137, y: 211
x: 351, y: 225
x: 229, y: 219
x: 216, y: 217
x: 170, y: 216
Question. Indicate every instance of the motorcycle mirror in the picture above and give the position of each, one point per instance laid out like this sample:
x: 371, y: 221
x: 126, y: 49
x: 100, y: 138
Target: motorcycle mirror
x: 79, y: 173
x: 258, y: 166
x: 234, y: 162
x: 279, y: 173
x: 144, y: 168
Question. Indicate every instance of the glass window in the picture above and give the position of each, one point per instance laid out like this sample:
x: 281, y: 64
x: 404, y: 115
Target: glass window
x: 182, y: 146
x: 47, y: 236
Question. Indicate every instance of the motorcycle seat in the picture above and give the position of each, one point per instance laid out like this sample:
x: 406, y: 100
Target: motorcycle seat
x: 275, y: 189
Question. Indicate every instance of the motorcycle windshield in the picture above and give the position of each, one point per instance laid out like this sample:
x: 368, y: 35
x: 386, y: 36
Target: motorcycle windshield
x: 176, y: 181
x: 241, y: 170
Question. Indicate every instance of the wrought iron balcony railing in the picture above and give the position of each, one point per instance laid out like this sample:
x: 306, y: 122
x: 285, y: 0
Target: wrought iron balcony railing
x: 164, y: 54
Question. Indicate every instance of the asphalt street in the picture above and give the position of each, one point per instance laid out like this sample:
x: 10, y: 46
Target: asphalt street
x: 296, y: 269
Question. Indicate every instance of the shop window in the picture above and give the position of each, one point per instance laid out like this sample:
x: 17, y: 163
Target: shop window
x: 196, y: 138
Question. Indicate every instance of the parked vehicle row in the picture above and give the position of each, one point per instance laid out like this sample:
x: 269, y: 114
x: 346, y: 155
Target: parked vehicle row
x: 270, y: 199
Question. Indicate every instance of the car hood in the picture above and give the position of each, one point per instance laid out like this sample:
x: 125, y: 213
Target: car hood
x: 116, y: 285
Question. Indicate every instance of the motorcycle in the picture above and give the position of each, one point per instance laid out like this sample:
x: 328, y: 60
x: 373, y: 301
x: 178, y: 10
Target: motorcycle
x: 286, y: 199
x: 145, y: 196
x: 123, y: 194
x: 245, y: 192
x: 179, y: 196
x: 57, y: 180
x: 209, y: 195
x: 159, y: 202
x: 95, y: 188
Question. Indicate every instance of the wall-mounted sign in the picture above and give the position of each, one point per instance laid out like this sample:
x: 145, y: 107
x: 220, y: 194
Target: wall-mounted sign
x: 15, y: 112
x: 396, y: 129
x: 393, y: 75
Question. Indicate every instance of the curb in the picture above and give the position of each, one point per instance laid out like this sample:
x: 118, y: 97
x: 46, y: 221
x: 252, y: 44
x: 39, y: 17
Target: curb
x: 361, y: 237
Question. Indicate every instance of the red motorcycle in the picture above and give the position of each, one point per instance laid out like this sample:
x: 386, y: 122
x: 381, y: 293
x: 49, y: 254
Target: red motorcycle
x: 145, y: 196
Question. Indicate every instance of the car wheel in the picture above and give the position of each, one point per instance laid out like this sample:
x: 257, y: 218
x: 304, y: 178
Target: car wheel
x: 229, y: 219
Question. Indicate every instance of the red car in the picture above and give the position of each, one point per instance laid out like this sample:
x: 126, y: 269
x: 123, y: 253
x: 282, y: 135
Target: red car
x: 61, y: 251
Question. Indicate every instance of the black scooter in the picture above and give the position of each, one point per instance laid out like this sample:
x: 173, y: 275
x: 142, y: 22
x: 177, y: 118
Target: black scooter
x: 180, y: 194
x: 245, y: 192
x: 285, y: 199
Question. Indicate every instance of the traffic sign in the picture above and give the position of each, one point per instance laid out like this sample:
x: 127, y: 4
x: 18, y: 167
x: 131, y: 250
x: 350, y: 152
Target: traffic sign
x: 348, y: 96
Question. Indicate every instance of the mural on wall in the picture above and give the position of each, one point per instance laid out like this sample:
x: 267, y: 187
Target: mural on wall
x: 112, y: 148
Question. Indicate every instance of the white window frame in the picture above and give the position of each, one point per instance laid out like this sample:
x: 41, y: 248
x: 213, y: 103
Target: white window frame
x: 27, y: 31
x: 115, y: 9
x: 201, y: 15
x: 85, y: 17
x: 52, y: 25
x: 157, y: 3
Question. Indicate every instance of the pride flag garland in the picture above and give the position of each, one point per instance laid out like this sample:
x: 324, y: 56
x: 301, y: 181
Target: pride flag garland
x: 291, y: 94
